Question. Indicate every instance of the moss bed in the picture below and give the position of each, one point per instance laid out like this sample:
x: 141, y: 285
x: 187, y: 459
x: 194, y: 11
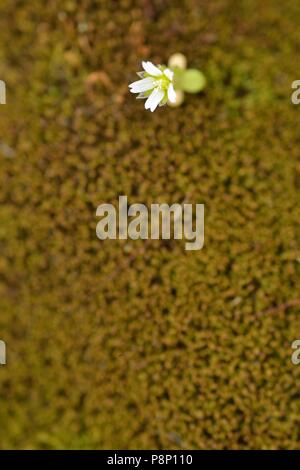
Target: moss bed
x: 133, y: 344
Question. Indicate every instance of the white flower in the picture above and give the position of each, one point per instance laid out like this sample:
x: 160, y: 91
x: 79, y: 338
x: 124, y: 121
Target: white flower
x: 156, y: 85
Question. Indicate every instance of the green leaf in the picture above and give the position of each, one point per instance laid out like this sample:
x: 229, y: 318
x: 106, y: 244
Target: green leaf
x: 192, y: 81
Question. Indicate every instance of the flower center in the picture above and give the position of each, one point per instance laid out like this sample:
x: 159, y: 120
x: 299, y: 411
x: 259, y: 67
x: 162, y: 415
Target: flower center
x: 162, y: 83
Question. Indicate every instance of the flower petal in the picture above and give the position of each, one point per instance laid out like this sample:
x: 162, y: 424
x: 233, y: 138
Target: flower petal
x: 169, y: 74
x: 171, y: 93
x: 151, y: 69
x: 142, y: 85
x: 154, y: 99
x: 149, y: 100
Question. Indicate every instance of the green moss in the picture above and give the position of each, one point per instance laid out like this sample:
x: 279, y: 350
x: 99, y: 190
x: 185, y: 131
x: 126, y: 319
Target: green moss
x: 124, y: 344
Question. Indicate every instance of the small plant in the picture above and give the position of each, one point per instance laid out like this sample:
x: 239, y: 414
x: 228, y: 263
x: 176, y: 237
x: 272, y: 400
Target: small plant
x: 163, y: 84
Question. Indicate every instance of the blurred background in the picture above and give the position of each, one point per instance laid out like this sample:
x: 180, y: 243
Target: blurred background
x: 142, y: 345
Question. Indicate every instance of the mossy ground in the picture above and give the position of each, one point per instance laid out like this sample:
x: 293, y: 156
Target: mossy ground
x: 123, y: 344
